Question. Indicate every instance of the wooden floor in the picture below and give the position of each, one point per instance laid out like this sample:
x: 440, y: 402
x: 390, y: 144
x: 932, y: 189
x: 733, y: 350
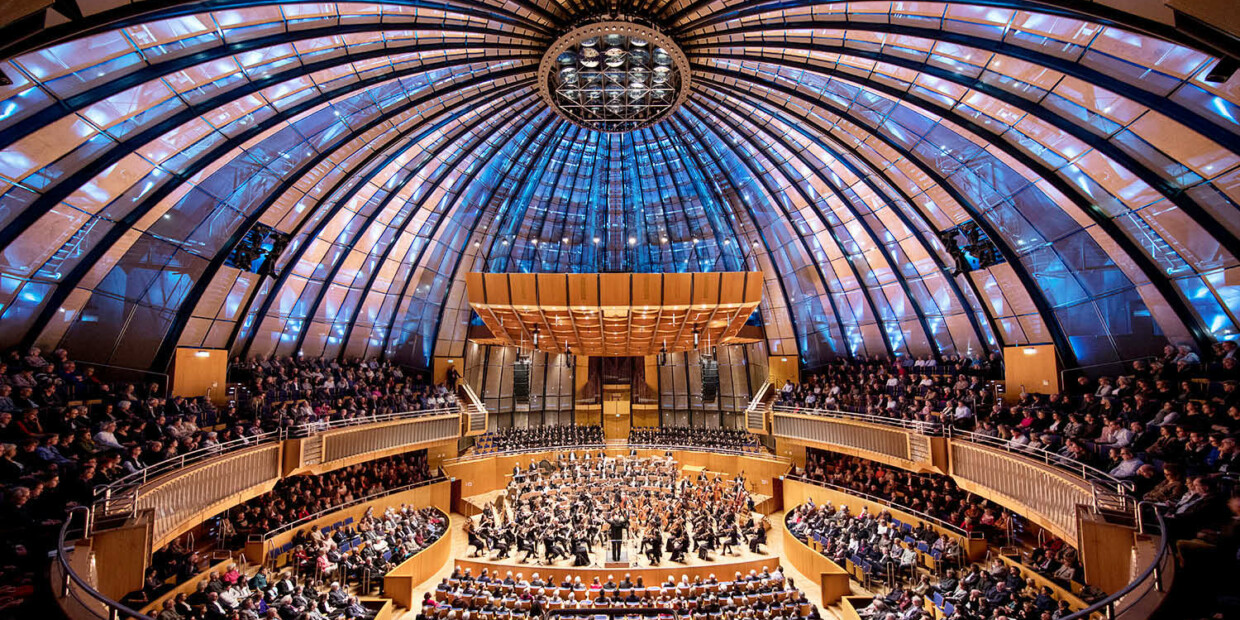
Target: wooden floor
x: 460, y: 549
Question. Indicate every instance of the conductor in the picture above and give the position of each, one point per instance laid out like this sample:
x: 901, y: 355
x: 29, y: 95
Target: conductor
x: 618, y: 524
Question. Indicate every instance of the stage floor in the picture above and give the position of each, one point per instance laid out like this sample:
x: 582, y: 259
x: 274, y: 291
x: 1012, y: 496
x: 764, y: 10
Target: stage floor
x: 774, y: 548
x: 740, y: 555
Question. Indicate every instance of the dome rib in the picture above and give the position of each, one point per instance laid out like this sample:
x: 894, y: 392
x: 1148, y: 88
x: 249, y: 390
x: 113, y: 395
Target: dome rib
x: 832, y: 149
x: 775, y: 315
x: 448, y: 115
x: 1131, y: 251
x: 1226, y: 136
x: 550, y: 125
x: 1043, y: 306
x: 89, y: 261
x: 874, y: 238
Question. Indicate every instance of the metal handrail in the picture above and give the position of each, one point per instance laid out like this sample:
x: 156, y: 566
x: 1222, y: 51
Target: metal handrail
x: 1107, y: 606
x: 924, y: 428
x: 70, y: 577
x: 141, y: 476
x: 758, y: 397
x: 890, y: 504
x: 1087, y: 472
x: 439, y: 477
x: 1055, y: 459
x: 307, y: 429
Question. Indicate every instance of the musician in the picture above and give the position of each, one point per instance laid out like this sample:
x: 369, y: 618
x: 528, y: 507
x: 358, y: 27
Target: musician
x: 559, y: 505
x: 757, y: 537
x: 618, y: 523
x: 652, y: 547
x: 475, y: 540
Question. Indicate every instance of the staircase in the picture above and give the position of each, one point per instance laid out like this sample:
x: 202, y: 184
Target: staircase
x: 755, y: 413
x: 1114, y: 505
x: 472, y: 408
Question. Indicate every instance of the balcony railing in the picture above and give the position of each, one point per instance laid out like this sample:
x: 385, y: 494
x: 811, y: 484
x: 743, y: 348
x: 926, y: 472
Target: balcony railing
x: 118, y: 498
x: 1129, y: 602
x: 72, y: 586
x: 1048, y: 457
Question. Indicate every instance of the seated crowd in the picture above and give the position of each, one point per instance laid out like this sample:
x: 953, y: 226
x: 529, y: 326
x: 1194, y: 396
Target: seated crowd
x: 933, y: 495
x: 998, y: 593
x: 297, y: 497
x: 283, y: 596
x: 698, y: 437
x: 938, y: 496
x: 292, y: 499
x: 568, y: 508
x: 1168, y: 426
x: 536, y: 437
x: 305, y: 391
x: 761, y: 595
x: 887, y: 552
x: 365, y: 551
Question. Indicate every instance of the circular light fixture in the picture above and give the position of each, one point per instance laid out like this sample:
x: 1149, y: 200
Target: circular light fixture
x: 614, y: 76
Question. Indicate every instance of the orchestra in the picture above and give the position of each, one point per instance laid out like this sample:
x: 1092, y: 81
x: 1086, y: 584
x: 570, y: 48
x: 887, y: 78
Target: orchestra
x: 555, y: 510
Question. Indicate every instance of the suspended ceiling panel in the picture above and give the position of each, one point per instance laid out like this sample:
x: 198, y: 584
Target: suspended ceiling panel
x: 614, y: 314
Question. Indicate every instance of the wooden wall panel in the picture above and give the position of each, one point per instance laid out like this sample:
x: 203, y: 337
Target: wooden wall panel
x: 441, y: 364
x: 676, y: 290
x: 399, y: 583
x: 1033, y: 368
x: 474, y: 287
x: 523, y: 289
x: 199, y: 372
x: 553, y: 289
x: 647, y: 289
x: 497, y: 288
x: 614, y: 289
x: 783, y: 368
x: 124, y: 552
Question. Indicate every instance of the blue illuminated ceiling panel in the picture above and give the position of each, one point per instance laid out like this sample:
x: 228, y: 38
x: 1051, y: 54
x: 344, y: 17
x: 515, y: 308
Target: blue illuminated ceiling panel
x: 925, y: 179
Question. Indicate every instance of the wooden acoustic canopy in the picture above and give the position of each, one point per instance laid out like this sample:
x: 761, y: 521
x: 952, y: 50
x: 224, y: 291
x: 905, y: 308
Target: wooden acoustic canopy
x: 614, y: 314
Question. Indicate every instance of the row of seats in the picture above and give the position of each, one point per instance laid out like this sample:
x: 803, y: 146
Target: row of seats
x: 447, y: 588
x: 277, y: 553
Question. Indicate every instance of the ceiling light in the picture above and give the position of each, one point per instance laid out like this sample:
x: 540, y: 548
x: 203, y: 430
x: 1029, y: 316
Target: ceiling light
x: 614, y: 76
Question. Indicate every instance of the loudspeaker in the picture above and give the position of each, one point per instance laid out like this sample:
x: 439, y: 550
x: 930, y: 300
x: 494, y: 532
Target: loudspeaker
x: 710, y: 380
x: 521, y: 380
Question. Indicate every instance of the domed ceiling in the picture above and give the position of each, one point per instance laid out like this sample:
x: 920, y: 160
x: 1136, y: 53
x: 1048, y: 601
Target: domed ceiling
x: 280, y: 178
